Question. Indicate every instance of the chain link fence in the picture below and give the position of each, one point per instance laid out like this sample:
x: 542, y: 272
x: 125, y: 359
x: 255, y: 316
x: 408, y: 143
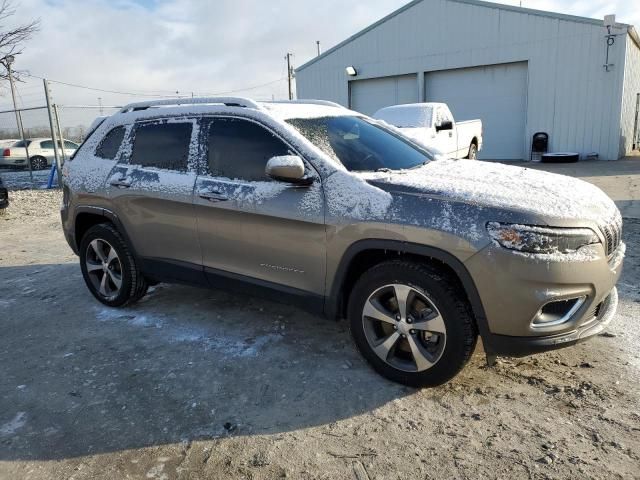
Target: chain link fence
x: 41, y: 125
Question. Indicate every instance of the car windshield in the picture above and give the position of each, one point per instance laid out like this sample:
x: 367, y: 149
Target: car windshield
x: 359, y: 144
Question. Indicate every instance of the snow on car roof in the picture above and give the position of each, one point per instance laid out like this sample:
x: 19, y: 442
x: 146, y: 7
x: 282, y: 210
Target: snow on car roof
x: 285, y: 111
x: 408, y: 115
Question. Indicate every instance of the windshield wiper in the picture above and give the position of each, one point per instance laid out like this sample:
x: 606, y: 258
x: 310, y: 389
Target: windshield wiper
x: 384, y: 170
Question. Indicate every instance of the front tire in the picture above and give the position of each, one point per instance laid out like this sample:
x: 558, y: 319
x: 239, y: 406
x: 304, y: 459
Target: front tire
x: 108, y: 267
x: 412, y: 323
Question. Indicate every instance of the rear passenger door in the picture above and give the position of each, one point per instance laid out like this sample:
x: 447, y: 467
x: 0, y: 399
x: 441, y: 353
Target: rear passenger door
x: 251, y: 226
x: 46, y: 150
x: 151, y: 189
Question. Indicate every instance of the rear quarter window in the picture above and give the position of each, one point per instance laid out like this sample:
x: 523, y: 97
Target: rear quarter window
x: 110, y: 145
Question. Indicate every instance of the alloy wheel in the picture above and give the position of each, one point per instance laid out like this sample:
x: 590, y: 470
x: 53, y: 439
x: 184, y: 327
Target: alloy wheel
x: 404, y: 327
x: 104, y: 268
x: 38, y: 163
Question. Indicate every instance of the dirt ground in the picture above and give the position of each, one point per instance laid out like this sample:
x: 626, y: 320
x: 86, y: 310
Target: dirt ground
x: 194, y: 383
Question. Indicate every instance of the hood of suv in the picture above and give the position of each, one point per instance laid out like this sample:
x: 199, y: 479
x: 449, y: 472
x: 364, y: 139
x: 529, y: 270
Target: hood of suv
x: 504, y: 187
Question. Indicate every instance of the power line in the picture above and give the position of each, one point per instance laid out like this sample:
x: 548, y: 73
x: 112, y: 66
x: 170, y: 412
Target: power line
x: 148, y: 94
x: 246, y: 89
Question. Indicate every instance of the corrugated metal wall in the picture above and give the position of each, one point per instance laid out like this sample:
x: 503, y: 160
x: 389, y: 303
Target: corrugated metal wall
x: 570, y: 95
x: 629, y: 98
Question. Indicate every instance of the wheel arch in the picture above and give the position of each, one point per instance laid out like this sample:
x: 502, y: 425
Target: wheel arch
x: 364, y: 254
x: 86, y: 217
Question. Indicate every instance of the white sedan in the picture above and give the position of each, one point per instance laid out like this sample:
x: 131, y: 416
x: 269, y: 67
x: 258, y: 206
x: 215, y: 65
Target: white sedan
x: 40, y: 153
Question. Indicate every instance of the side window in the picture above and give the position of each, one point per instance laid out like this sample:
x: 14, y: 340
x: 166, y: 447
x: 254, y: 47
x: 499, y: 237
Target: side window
x: 240, y: 149
x: 162, y: 145
x: 110, y: 144
x: 46, y: 144
x: 68, y: 144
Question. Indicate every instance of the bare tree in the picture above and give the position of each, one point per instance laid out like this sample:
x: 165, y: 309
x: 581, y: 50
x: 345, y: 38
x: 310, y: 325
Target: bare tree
x: 12, y: 38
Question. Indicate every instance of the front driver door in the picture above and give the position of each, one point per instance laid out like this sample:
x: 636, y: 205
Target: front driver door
x: 250, y: 226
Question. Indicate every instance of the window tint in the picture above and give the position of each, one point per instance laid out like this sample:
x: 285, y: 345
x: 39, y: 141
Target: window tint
x: 21, y: 143
x: 360, y: 145
x: 162, y: 145
x: 241, y: 149
x: 110, y: 144
x: 46, y: 144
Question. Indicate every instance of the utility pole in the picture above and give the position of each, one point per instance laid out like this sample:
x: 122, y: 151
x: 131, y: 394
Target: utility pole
x: 47, y: 96
x: 289, y: 75
x: 100, y: 103
x: 318, y: 45
x: 55, y: 114
x: 8, y: 60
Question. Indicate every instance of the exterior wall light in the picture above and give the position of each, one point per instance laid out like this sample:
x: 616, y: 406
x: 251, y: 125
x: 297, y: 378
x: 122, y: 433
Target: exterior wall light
x: 351, y: 71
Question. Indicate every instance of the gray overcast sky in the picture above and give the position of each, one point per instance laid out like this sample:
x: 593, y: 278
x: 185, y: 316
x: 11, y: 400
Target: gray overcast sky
x: 157, y: 47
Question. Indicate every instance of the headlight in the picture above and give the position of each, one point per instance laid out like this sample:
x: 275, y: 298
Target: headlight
x: 532, y: 239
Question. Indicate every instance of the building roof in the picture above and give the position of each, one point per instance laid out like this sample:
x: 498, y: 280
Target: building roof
x: 560, y: 16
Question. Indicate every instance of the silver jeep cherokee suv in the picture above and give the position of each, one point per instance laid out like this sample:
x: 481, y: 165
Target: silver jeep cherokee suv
x: 312, y: 203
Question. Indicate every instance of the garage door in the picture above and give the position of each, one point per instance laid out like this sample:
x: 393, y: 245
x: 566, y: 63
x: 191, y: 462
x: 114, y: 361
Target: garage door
x: 496, y: 94
x: 368, y: 96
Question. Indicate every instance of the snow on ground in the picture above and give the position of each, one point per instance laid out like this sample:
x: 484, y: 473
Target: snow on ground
x: 179, y: 330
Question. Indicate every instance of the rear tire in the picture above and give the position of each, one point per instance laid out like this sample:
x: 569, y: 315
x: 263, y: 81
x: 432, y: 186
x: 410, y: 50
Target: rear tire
x: 426, y: 342
x: 473, y: 152
x: 108, y: 267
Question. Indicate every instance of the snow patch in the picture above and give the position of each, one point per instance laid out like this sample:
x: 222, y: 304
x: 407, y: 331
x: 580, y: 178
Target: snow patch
x: 285, y: 111
x: 508, y: 187
x: 14, y: 425
x: 231, y: 345
x: 287, y: 160
x: 258, y: 192
x: 350, y: 196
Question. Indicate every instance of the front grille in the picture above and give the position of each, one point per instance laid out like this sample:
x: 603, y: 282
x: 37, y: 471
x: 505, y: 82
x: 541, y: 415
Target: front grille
x: 613, y: 235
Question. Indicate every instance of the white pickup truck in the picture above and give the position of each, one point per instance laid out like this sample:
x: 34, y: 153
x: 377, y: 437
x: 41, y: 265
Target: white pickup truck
x: 432, y: 124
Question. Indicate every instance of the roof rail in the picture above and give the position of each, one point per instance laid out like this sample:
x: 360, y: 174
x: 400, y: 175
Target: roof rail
x: 229, y: 101
x: 326, y: 103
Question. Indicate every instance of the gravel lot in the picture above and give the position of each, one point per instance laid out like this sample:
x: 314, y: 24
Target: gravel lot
x: 194, y: 383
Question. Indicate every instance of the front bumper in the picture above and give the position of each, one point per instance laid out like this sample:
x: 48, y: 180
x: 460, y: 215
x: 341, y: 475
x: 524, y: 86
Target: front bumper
x: 521, y: 346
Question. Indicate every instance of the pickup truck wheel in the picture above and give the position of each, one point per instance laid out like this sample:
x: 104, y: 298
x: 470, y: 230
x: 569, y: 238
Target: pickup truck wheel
x: 411, y: 323
x: 473, y: 152
x: 108, y: 267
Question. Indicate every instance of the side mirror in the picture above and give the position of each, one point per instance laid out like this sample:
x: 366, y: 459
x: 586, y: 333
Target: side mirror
x: 287, y: 168
x: 446, y: 125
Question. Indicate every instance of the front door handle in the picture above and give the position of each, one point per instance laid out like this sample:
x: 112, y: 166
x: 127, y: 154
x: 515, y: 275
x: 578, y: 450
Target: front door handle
x: 450, y: 134
x: 212, y: 195
x: 120, y: 183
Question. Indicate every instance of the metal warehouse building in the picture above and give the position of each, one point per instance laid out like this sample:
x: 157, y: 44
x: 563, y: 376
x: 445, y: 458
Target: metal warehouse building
x: 521, y: 71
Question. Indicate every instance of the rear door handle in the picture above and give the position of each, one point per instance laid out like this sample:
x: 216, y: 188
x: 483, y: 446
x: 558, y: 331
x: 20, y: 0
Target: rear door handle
x: 212, y: 195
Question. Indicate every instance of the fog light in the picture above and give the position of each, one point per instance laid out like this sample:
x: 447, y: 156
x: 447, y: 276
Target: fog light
x: 557, y: 312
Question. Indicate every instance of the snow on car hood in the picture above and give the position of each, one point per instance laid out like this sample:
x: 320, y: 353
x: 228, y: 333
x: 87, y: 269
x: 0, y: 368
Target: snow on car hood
x: 509, y: 187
